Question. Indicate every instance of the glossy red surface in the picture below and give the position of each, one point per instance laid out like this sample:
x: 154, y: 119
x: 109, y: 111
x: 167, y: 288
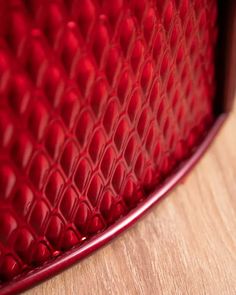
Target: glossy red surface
x: 100, y: 102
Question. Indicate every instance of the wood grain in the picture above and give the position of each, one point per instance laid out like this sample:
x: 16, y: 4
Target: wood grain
x: 185, y: 245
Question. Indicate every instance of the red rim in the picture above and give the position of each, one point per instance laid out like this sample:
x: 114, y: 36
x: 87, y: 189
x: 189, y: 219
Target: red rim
x: 55, y: 266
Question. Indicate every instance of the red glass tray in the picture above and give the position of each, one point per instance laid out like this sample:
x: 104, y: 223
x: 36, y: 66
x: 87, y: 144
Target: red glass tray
x: 104, y: 106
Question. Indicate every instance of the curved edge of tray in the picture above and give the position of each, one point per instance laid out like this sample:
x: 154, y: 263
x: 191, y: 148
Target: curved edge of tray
x: 70, y: 257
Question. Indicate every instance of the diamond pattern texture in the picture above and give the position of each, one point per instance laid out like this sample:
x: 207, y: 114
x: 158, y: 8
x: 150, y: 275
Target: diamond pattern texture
x: 99, y: 102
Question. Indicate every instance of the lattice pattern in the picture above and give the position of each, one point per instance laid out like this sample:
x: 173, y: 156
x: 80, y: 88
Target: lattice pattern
x: 99, y: 101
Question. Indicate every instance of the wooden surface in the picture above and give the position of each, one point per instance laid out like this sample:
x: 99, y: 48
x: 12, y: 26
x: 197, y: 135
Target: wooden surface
x: 185, y: 245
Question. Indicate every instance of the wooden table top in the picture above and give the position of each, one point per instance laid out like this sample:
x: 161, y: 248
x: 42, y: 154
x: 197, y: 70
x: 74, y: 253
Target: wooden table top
x: 185, y: 245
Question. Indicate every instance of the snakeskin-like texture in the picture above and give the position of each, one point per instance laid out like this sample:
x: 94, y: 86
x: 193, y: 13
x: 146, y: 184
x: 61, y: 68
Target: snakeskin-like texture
x: 99, y: 102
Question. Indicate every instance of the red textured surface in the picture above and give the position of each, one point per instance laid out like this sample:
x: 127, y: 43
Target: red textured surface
x: 99, y: 102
